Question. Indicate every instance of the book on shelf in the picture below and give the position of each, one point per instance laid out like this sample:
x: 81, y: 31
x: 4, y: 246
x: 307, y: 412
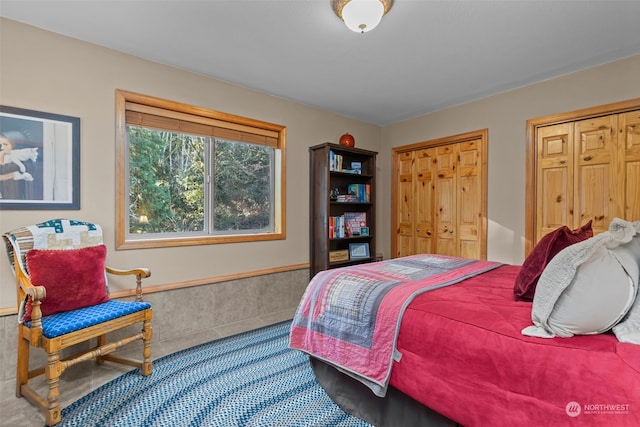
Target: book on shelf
x: 354, y: 222
x: 336, y: 164
x: 348, y: 225
x: 346, y: 198
x: 336, y: 227
x: 335, y: 161
x: 362, y: 192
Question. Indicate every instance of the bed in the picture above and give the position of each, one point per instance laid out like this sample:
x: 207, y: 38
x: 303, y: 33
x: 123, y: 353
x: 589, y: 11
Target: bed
x: 459, y: 356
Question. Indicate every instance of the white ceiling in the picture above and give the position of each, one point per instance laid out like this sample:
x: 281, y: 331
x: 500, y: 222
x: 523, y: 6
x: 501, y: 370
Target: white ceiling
x: 424, y: 56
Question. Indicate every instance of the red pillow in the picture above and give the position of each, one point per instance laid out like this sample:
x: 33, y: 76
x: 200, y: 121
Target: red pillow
x: 542, y: 253
x: 73, y: 278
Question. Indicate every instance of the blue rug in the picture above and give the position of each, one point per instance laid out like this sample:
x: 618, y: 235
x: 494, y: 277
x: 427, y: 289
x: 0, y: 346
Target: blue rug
x: 250, y: 379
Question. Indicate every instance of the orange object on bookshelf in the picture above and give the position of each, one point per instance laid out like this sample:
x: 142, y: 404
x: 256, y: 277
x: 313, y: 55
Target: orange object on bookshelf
x: 347, y: 140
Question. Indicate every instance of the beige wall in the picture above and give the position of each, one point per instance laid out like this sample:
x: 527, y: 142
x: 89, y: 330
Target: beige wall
x: 47, y: 72
x: 505, y: 116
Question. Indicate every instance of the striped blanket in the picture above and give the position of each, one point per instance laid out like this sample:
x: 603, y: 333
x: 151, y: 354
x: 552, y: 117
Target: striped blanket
x: 350, y: 317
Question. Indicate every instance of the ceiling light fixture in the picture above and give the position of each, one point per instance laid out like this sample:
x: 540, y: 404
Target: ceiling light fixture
x: 361, y: 16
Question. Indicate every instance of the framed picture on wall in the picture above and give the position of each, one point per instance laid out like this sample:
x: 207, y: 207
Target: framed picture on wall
x: 39, y: 160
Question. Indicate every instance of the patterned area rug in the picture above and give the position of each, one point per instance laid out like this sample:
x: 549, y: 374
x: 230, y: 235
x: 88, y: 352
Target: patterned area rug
x: 250, y: 379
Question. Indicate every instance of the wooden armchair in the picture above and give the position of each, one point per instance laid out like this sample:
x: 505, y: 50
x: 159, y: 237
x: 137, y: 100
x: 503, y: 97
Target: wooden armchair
x: 63, y: 300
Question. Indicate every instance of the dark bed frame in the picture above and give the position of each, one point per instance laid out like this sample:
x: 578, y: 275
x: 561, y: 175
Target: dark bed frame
x: 395, y: 409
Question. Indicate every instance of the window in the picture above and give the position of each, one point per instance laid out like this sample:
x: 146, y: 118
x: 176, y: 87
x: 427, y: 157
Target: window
x: 189, y: 176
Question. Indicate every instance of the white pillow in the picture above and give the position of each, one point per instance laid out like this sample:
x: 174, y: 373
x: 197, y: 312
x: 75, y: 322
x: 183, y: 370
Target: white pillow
x: 589, y: 286
x: 599, y: 295
x: 629, y: 329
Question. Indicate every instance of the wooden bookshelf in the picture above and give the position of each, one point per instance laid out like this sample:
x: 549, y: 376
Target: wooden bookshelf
x: 334, y: 172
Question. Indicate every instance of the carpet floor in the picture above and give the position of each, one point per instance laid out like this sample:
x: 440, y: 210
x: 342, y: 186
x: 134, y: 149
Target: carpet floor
x: 250, y: 379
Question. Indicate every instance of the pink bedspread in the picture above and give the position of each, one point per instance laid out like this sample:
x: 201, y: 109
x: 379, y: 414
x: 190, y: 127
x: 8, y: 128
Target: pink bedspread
x: 463, y: 356
x: 350, y: 316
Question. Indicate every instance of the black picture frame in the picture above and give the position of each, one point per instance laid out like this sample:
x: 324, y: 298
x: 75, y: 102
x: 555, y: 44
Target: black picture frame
x: 359, y: 251
x: 48, y: 179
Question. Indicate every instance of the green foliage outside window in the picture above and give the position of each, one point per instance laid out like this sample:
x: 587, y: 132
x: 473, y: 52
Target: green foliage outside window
x: 243, y: 186
x: 170, y: 190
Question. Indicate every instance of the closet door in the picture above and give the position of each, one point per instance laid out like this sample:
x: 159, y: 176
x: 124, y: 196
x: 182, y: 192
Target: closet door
x: 459, y: 196
x: 424, y: 194
x: 629, y: 143
x: 469, y: 199
x: 554, y: 178
x: 582, y: 165
x: 597, y: 190
x: 414, y: 202
x: 439, y: 197
x: 445, y: 185
x: 405, y: 205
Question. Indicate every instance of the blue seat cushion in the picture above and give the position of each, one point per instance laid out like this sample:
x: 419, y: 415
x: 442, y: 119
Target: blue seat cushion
x: 59, y: 324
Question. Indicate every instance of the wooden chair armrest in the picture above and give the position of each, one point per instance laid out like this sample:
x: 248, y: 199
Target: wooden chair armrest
x: 140, y: 273
x: 37, y: 293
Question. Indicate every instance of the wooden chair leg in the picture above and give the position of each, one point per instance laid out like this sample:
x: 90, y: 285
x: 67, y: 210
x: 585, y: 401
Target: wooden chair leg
x: 102, y: 340
x: 147, y: 367
x: 22, y: 365
x: 53, y: 370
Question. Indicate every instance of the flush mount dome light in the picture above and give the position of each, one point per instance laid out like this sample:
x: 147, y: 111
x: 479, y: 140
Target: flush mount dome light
x: 361, y: 16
